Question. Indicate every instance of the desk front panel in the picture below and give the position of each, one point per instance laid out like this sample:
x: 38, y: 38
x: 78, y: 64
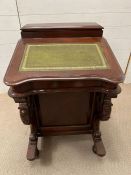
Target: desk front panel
x: 65, y: 108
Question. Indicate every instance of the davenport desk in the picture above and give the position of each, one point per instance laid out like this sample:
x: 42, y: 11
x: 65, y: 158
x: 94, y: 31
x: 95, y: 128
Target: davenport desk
x: 63, y: 76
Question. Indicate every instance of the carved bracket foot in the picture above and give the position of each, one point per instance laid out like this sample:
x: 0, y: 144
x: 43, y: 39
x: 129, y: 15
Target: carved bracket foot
x: 98, y: 147
x: 32, y: 152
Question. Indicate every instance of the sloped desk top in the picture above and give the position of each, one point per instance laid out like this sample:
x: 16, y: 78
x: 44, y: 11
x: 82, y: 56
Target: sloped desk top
x: 62, y: 57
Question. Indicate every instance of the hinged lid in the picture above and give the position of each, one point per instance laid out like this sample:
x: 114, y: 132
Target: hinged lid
x: 62, y: 52
x: 61, y: 30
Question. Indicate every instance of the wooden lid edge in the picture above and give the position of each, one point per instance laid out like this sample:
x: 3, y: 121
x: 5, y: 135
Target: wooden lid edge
x: 44, y: 26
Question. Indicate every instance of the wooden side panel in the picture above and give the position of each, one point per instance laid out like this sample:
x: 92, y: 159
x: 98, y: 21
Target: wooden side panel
x: 65, y: 108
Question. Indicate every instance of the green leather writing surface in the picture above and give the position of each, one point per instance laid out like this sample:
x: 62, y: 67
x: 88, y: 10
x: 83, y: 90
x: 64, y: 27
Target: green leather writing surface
x: 42, y: 57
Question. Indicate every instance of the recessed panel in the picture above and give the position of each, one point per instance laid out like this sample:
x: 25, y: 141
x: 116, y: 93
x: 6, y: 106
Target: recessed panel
x: 64, y: 108
x: 49, y: 57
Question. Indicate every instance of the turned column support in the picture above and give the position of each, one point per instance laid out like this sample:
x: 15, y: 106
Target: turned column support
x: 102, y: 113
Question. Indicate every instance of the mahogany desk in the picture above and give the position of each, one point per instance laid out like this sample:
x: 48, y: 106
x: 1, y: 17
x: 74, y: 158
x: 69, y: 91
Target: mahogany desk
x: 63, y: 76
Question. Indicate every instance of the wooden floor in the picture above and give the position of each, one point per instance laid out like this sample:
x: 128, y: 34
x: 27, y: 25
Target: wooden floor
x: 67, y: 155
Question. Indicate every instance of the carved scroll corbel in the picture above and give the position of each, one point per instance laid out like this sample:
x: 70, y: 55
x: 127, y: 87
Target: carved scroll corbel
x: 106, y: 108
x: 23, y: 106
x: 107, y: 104
x: 24, y: 113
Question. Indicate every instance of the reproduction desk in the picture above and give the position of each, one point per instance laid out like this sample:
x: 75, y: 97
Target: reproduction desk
x: 63, y: 76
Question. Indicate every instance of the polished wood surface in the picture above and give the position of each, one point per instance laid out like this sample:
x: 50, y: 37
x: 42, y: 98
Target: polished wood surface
x: 15, y: 77
x: 53, y: 30
x: 76, y: 114
x: 67, y: 101
x: 42, y: 26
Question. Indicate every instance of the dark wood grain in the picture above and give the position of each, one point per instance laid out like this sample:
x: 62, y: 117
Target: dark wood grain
x: 64, y: 102
x: 15, y: 77
x: 53, y: 30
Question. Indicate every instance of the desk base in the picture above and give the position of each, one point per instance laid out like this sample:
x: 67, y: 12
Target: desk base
x: 99, y: 108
